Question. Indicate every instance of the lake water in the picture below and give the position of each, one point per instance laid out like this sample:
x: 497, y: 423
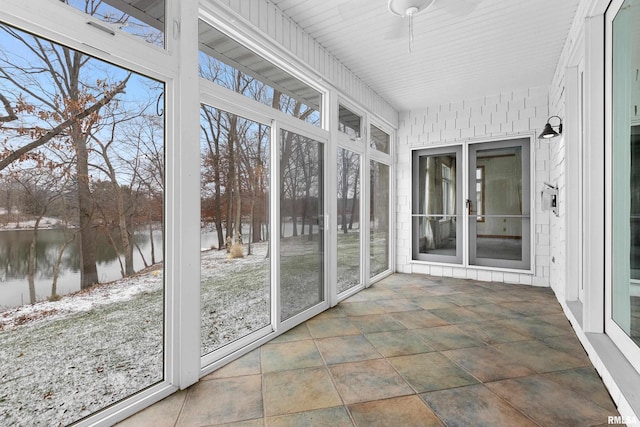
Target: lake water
x: 14, y: 257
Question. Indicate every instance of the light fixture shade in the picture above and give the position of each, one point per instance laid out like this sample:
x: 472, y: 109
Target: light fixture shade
x: 548, y: 132
x: 401, y: 7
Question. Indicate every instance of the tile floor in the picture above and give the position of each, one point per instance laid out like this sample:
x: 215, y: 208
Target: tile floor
x: 409, y: 351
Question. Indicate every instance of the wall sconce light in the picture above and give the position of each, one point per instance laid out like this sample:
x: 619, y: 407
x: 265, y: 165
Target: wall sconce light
x: 548, y: 131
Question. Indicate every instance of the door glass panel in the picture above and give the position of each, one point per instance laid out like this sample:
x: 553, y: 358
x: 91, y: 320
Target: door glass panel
x: 144, y: 19
x: 498, y: 205
x: 301, y: 223
x: 379, y: 217
x: 506, y: 244
x: 480, y: 193
x: 626, y: 171
x: 436, y: 206
x: 82, y: 292
x: 348, y: 219
x: 234, y: 221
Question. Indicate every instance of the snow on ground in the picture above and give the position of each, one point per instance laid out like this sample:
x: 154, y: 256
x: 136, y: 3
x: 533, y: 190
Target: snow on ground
x: 45, y: 223
x: 235, y: 296
x: 63, y: 360
x: 100, y: 295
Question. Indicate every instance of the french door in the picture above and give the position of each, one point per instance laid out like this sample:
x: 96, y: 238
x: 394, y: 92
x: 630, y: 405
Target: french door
x: 471, y: 204
x: 498, y: 206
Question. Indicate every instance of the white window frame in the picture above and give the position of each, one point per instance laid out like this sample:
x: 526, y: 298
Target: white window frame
x: 357, y: 149
x: 68, y: 26
x: 228, y: 100
x: 372, y: 154
x: 626, y: 345
x: 176, y: 66
x: 357, y: 145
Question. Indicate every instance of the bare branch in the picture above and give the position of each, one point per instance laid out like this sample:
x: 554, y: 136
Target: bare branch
x: 15, y: 155
x: 11, y: 115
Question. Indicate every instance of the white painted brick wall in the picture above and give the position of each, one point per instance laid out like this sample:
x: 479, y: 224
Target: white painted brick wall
x: 556, y: 156
x: 507, y: 114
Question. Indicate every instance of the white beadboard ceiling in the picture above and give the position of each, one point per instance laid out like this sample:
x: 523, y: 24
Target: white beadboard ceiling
x: 462, y: 48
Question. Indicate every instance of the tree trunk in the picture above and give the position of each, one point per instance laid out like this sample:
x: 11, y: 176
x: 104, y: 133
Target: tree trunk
x: 88, y: 269
x: 356, y: 200
x: 256, y: 224
x: 252, y: 214
x: 32, y: 263
x: 56, y: 267
x: 238, y: 220
x: 127, y: 248
x: 153, y: 245
x: 307, y: 171
x: 305, y: 204
x: 217, y: 178
x: 294, y: 216
x: 115, y: 249
x: 306, y: 208
x: 344, y: 187
x: 144, y: 261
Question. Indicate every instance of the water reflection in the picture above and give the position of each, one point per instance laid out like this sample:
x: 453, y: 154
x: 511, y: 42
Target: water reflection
x: 14, y: 261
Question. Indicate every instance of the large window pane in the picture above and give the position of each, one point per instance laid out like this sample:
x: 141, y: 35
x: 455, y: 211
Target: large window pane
x: 626, y: 171
x: 379, y: 140
x: 228, y: 63
x: 234, y: 219
x: 301, y: 223
x: 82, y: 295
x: 379, y: 216
x: 349, y: 123
x: 142, y: 18
x: 348, y: 219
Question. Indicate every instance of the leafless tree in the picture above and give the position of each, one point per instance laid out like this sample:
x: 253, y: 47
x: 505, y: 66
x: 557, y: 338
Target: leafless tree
x: 52, y: 86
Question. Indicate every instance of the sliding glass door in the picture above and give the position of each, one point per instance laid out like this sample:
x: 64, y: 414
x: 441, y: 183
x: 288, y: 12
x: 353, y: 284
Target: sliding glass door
x: 348, y: 213
x: 301, y: 223
x: 623, y: 292
x: 498, y: 205
x: 235, y: 285
x: 379, y: 199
